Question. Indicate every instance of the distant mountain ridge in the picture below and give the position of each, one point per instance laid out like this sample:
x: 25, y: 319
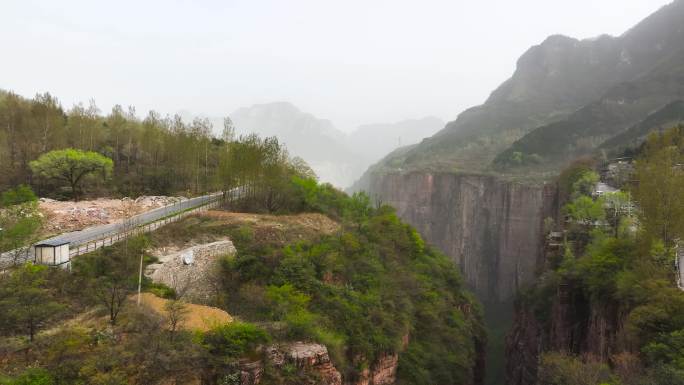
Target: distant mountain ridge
x: 565, y: 99
x: 335, y: 156
x: 297, y: 129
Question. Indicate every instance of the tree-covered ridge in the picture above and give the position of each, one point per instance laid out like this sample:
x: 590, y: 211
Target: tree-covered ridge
x: 155, y: 155
x: 614, y: 274
x: 363, y: 293
x: 369, y: 290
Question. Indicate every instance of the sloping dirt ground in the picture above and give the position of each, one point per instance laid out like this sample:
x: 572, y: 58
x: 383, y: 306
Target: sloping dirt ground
x: 198, y: 317
x: 214, y: 225
x: 66, y: 216
x: 275, y: 228
x: 315, y: 221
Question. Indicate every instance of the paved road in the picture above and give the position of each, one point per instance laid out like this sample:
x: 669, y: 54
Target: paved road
x: 76, y: 238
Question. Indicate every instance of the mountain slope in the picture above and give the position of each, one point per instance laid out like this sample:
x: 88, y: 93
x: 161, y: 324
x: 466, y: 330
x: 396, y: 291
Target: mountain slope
x: 621, y: 107
x: 563, y: 91
x: 666, y: 117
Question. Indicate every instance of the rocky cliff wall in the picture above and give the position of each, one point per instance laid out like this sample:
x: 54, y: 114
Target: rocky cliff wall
x: 490, y: 227
x: 314, y: 358
x: 574, y: 326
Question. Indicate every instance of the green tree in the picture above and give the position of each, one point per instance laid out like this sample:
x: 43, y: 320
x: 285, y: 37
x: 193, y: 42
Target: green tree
x: 32, y: 376
x: 231, y: 341
x: 26, y: 299
x: 585, y: 210
x: 49, y: 120
x: 72, y: 166
x: 617, y: 206
x: 176, y: 314
x: 660, y: 188
x: 19, y: 225
x: 111, y: 276
x: 569, y: 176
x: 228, y: 133
x: 17, y: 195
x: 667, y: 349
x: 585, y: 184
x: 562, y: 369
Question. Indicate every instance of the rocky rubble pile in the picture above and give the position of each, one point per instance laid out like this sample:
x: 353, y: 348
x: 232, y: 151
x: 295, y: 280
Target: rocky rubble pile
x: 65, y: 216
x: 154, y: 201
x: 190, y: 272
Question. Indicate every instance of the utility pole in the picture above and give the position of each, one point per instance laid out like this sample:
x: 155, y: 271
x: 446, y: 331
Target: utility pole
x: 140, y: 278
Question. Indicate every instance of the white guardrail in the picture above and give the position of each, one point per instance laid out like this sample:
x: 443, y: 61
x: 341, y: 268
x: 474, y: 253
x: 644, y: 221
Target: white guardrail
x: 137, y: 229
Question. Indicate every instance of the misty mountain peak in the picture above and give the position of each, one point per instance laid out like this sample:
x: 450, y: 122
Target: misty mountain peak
x: 277, y: 108
x: 568, y: 92
x: 281, y: 118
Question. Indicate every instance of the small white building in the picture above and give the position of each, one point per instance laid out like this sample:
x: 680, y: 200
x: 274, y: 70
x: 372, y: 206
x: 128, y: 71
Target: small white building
x: 52, y: 253
x: 602, y: 189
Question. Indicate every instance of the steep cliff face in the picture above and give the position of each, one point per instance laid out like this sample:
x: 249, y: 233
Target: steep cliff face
x: 491, y: 228
x: 383, y: 372
x: 574, y: 326
x: 523, y: 346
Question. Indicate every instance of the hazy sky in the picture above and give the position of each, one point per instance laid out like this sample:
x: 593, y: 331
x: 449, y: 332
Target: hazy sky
x: 351, y: 61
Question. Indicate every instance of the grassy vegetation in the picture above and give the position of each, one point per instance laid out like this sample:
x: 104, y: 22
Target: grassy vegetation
x: 19, y: 218
x: 368, y: 289
x: 361, y: 292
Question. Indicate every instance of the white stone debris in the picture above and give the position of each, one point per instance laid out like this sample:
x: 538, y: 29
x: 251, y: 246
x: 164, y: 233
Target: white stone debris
x: 190, y: 272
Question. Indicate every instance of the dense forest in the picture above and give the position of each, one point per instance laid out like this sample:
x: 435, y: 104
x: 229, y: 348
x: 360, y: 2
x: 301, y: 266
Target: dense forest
x: 77, y: 153
x: 155, y: 155
x: 607, y: 309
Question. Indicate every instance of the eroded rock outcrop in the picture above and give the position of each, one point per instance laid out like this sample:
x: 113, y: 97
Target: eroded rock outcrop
x: 383, y: 372
x: 309, y: 357
x: 251, y: 372
x: 314, y: 357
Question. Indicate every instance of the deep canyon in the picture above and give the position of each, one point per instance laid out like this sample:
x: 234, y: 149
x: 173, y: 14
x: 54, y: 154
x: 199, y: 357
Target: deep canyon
x: 492, y: 229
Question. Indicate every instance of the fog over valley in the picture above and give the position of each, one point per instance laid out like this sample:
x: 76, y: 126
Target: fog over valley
x: 311, y: 192
x: 336, y: 156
